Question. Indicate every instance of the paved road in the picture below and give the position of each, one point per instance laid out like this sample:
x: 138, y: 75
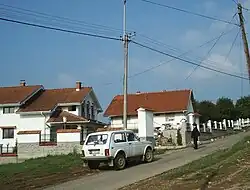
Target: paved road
x: 110, y: 180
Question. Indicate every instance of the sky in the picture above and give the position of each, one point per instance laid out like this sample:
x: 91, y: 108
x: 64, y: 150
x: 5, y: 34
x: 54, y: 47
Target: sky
x: 57, y: 60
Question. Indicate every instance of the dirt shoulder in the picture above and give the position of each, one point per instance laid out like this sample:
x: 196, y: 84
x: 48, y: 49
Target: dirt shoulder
x: 226, y: 169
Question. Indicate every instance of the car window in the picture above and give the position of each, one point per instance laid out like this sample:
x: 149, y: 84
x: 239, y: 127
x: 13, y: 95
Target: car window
x: 97, y: 139
x: 119, y: 137
x: 131, y: 137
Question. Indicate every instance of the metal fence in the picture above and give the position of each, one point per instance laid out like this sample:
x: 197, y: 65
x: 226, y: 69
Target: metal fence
x: 8, y: 149
x: 48, y: 137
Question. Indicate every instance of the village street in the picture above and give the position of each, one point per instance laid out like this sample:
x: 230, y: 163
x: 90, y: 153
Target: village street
x: 109, y: 180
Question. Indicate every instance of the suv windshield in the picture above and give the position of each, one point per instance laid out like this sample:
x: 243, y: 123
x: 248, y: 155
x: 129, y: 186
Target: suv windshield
x: 97, y: 139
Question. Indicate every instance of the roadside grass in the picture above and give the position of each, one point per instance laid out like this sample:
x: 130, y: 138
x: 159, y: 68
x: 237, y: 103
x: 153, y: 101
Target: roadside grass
x: 221, y: 169
x: 40, y: 172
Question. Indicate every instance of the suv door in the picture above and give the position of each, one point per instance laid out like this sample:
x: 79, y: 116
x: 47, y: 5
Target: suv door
x: 134, y: 145
x: 119, y: 141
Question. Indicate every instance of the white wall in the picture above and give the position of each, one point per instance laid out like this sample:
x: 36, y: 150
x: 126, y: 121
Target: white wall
x: 34, y: 122
x: 158, y: 120
x: 145, y: 123
x: 28, y: 138
x: 11, y: 119
x: 91, y: 100
x: 132, y: 122
x: 68, y: 137
x: 77, y: 112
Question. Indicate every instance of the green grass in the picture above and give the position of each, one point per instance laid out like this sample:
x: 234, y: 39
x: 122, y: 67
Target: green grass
x: 211, y: 162
x: 39, y: 167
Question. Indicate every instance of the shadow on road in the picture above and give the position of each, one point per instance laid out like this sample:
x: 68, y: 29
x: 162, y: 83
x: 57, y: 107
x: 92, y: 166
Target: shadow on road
x: 104, y: 167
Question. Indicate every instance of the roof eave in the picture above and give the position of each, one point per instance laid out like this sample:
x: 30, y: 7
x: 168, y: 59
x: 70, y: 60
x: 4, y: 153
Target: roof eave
x: 68, y: 122
x: 177, y: 111
x: 32, y: 94
x: 32, y: 112
x: 69, y: 104
x: 10, y: 105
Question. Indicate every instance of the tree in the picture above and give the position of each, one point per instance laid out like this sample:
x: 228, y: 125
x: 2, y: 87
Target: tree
x: 242, y: 107
x: 226, y: 109
x: 208, y: 111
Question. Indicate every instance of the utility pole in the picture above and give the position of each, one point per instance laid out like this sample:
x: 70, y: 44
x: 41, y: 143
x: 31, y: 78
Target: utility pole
x: 244, y: 38
x: 125, y: 78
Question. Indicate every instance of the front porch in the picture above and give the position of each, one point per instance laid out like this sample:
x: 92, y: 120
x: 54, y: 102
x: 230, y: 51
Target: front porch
x: 65, y: 122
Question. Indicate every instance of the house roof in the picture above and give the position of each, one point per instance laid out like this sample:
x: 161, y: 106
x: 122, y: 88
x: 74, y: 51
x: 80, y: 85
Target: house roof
x: 16, y: 94
x: 48, y: 99
x: 57, y: 117
x: 160, y: 102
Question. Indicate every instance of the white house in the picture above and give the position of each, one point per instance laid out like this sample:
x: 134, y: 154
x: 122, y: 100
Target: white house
x: 169, y: 108
x: 35, y: 110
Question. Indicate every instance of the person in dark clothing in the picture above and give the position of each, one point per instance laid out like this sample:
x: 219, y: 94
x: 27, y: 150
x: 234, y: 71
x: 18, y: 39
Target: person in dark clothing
x: 195, y: 135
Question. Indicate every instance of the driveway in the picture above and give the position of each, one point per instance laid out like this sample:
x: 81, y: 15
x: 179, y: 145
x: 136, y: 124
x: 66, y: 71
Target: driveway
x: 110, y: 180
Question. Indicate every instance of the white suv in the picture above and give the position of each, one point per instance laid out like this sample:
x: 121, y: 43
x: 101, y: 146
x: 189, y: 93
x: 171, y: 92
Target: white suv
x: 115, y: 148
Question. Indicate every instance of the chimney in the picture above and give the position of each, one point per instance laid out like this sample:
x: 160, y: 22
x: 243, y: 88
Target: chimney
x: 78, y: 85
x: 22, y: 83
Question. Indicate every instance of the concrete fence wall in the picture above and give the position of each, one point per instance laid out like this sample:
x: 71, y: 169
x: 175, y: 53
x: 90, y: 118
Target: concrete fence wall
x: 29, y: 145
x: 34, y: 150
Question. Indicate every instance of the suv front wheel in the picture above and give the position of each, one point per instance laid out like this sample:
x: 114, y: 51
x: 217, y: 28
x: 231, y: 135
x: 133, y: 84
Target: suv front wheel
x: 120, y: 161
x: 149, y: 155
x: 93, y: 164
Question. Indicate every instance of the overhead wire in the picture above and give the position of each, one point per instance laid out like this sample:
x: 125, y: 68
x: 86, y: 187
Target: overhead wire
x: 187, y: 61
x: 208, y: 53
x: 59, y: 18
x: 229, y: 52
x: 59, y: 29
x: 168, y: 61
x: 188, y: 12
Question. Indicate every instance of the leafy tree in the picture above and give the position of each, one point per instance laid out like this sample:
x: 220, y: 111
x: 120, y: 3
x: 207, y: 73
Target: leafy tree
x: 226, y: 109
x: 208, y: 111
x: 242, y: 107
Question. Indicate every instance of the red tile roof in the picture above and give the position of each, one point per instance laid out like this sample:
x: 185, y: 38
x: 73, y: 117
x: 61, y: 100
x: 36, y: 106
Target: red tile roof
x: 16, y: 94
x: 160, y: 102
x: 49, y: 98
x: 58, y: 115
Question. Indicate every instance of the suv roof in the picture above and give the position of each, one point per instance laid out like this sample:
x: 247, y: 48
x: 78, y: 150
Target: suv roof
x: 109, y: 132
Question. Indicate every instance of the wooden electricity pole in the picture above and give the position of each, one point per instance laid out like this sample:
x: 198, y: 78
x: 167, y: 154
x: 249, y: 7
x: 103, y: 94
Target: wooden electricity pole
x: 244, y: 38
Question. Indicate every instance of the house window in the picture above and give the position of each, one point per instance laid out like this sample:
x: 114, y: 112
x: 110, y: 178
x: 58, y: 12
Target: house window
x: 8, y: 133
x: 83, y: 109
x: 7, y: 110
x: 92, y: 112
x: 72, y: 108
x: 88, y: 114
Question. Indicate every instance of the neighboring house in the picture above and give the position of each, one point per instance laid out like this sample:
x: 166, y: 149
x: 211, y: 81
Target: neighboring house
x: 170, y: 108
x: 30, y: 109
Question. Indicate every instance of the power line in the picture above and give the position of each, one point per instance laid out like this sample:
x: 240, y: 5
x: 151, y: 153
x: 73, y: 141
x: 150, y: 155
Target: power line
x: 165, y: 62
x: 187, y: 61
x: 208, y: 53
x: 229, y: 52
x: 60, y: 29
x: 156, y: 66
x: 60, y: 18
x: 235, y: 2
x: 189, y: 12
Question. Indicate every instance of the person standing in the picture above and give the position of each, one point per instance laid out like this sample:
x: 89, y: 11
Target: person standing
x: 195, y: 135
